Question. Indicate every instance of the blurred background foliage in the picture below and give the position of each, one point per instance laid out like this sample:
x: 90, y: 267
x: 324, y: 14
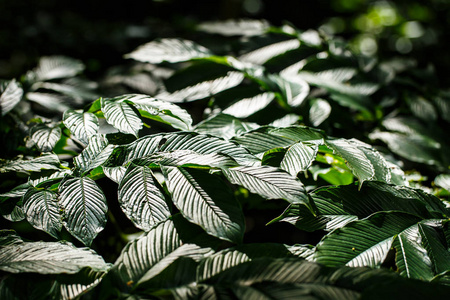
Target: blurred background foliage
x: 99, y: 32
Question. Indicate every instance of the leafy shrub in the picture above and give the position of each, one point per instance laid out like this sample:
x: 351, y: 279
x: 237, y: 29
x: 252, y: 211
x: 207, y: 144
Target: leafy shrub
x: 271, y: 111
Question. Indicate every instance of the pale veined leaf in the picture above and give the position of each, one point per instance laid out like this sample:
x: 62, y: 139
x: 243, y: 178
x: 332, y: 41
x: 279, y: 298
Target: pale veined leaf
x: 268, y: 182
x: 73, y: 288
x: 10, y: 95
x: 365, y: 242
x: 286, y: 121
x: 141, y: 199
x: 170, y: 50
x: 49, y: 258
x: 54, y: 67
x: 9, y: 237
x: 298, y: 133
x: 293, y: 88
x: 46, y: 161
x: 262, y: 55
x: 120, y: 114
x: 45, y: 136
x: 42, y: 211
x: 179, y: 158
x: 207, y: 201
x: 248, y: 106
x: 443, y: 181
x: 200, y: 143
x: 52, y: 102
x: 356, y: 160
x: 422, y: 108
x: 114, y: 173
x: 225, y: 126
x: 39, y: 179
x: 96, y: 153
x: 161, y: 111
x: 16, y: 192
x: 16, y: 215
x: 203, y: 89
x: 81, y: 124
x: 300, y: 156
x: 244, y: 27
x: 84, y: 208
x: 320, y: 111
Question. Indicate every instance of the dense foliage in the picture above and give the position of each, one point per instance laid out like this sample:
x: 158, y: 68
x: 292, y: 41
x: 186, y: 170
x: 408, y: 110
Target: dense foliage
x: 155, y: 189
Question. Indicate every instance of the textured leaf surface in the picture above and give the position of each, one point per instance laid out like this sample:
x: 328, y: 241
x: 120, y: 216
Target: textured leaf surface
x: 49, y: 258
x: 53, y: 67
x: 84, y: 208
x: 44, y: 162
x: 10, y: 95
x: 45, y: 136
x: 269, y: 182
x: 320, y: 111
x: 114, y: 173
x: 121, y: 115
x: 248, y: 106
x: 224, y: 126
x: 299, y: 157
x: 96, y: 153
x: 42, y: 210
x: 140, y: 198
x: 207, y: 201
x: 81, y: 124
x: 170, y: 50
x: 261, y: 55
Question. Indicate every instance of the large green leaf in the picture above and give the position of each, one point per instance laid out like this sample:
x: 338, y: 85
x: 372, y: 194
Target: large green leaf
x: 300, y: 156
x: 45, y: 136
x: 203, y: 89
x: 120, y: 114
x: 42, y: 210
x: 95, y: 154
x: 206, y: 200
x: 81, y: 124
x: 269, y: 182
x: 46, y: 161
x: 161, y: 111
x: 141, y: 199
x: 248, y: 106
x: 54, y: 67
x: 49, y: 258
x: 170, y: 50
x: 84, y: 206
x: 244, y: 27
x: 199, y: 143
x: 10, y: 95
x: 365, y: 242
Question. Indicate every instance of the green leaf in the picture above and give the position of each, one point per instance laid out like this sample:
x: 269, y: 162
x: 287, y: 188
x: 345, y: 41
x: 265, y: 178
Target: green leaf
x: 248, y: 106
x: 262, y: 55
x: 42, y: 210
x: 81, y: 124
x: 141, y: 199
x: 170, y: 50
x: 45, y: 136
x: 161, y: 111
x: 365, y: 242
x: 46, y: 161
x: 206, y: 200
x: 84, y: 208
x: 268, y: 182
x: 55, y: 67
x: 224, y: 126
x: 300, y: 156
x: 244, y: 27
x: 199, y: 143
x: 203, y: 89
x: 95, y: 154
x: 49, y: 258
x: 356, y: 160
x: 11, y: 93
x: 120, y: 114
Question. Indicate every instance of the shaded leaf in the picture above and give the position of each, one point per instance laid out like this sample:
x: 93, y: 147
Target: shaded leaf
x: 46, y: 161
x: 54, y: 67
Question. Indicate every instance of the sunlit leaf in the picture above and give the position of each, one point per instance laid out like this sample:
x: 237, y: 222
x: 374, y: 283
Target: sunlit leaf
x: 10, y: 95
x: 121, y: 115
x: 95, y: 154
x: 261, y: 55
x: 248, y: 106
x: 45, y: 136
x: 46, y: 161
x: 244, y: 27
x: 53, y: 67
x: 81, y: 124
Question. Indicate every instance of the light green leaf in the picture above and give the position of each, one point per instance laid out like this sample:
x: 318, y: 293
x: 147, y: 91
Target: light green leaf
x: 170, y: 50
x: 84, y: 206
x: 203, y: 89
x: 42, y: 210
x: 248, y: 106
x: 11, y: 93
x: 95, y: 154
x: 54, y: 67
x: 121, y: 115
x: 300, y: 156
x: 49, y: 258
x: 207, y: 201
x: 45, y: 136
x: 244, y: 27
x: 81, y: 124
x: 140, y: 198
x: 46, y: 161
x: 268, y: 182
